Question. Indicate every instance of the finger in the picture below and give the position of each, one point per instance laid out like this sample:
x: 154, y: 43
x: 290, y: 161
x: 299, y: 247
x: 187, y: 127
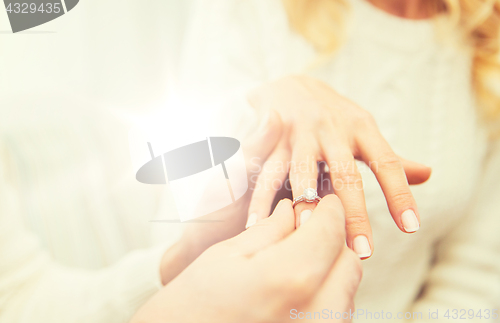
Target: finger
x: 303, y: 175
x: 313, y: 248
x: 265, y: 232
x: 341, y: 284
x: 348, y: 185
x: 416, y: 173
x: 258, y: 147
x: 388, y: 169
x: 269, y: 181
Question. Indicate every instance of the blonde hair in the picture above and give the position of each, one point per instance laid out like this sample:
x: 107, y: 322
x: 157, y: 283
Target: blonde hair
x: 321, y: 23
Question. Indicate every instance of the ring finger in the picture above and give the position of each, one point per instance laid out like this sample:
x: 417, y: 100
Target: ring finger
x: 303, y: 175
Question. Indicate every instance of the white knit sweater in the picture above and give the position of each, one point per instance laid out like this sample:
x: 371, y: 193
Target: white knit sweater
x: 418, y: 87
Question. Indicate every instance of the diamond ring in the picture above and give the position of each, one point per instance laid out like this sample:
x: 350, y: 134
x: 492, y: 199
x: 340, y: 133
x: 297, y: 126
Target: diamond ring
x: 310, y: 195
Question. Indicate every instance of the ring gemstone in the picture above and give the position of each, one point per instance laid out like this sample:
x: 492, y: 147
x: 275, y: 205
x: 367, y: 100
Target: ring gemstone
x: 310, y: 193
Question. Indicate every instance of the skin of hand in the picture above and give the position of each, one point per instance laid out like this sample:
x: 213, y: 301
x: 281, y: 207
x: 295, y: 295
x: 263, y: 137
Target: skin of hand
x: 229, y: 221
x: 321, y: 125
x: 266, y: 273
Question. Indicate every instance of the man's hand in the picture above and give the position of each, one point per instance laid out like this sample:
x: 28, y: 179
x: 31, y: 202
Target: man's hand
x: 266, y: 273
x: 229, y: 221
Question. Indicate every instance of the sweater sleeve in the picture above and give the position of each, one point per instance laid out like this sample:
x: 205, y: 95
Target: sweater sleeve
x: 34, y: 288
x: 466, y: 275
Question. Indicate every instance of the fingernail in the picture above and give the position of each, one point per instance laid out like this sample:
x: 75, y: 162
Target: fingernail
x: 410, y: 221
x: 304, y: 216
x: 252, y: 219
x: 361, y: 246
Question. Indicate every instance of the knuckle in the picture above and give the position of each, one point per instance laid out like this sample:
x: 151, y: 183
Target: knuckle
x: 347, y: 175
x: 364, y: 119
x: 358, y: 219
x: 295, y: 168
x: 325, y: 124
x: 389, y: 161
x: 301, y: 283
x: 402, y: 197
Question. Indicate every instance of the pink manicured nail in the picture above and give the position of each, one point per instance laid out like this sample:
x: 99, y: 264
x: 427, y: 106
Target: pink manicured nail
x: 361, y: 246
x: 304, y: 216
x: 410, y: 221
x: 252, y: 219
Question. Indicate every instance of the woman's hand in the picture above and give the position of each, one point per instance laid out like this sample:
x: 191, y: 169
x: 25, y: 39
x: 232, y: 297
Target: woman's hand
x: 269, y: 273
x: 229, y: 221
x: 321, y: 125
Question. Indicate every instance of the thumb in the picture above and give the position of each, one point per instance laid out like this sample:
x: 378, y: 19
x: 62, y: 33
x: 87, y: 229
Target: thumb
x: 265, y: 232
x: 416, y: 173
